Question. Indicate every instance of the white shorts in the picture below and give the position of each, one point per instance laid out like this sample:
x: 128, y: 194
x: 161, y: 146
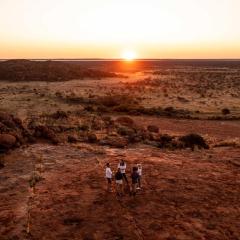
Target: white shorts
x: 119, y: 181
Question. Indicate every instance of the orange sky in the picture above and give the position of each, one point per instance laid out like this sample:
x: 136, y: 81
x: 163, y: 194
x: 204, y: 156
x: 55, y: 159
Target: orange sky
x: 109, y: 28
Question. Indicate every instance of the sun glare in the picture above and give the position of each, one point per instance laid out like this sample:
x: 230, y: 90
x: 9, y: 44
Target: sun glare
x: 129, y: 55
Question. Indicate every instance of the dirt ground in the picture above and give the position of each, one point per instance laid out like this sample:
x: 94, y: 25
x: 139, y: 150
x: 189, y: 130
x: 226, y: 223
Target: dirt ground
x: 185, y: 195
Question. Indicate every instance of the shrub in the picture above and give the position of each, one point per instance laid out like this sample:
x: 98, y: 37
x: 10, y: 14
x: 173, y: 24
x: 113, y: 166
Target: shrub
x: 60, y: 115
x: 83, y: 127
x: 193, y: 139
x: 89, y: 108
x: 169, y: 109
x: 124, y: 108
x: 2, y: 164
x: 153, y: 128
x: 225, y: 111
x: 125, y: 131
x: 102, y: 109
x: 112, y: 101
x: 165, y: 141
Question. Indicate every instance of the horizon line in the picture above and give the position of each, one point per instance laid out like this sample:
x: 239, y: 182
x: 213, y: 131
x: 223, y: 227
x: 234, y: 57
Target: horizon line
x: 122, y: 59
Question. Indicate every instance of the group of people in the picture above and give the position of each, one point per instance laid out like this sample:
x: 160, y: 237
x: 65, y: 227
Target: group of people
x: 121, y: 177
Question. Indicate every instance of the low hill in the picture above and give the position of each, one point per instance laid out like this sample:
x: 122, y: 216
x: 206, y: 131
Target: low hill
x: 26, y: 70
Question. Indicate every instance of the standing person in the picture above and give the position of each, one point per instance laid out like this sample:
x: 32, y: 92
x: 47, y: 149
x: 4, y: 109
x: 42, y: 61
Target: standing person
x: 119, y: 182
x: 108, y: 174
x: 122, y: 165
x: 135, y: 177
x: 139, y: 166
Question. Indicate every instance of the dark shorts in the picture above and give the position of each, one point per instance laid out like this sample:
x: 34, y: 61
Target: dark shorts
x: 109, y: 180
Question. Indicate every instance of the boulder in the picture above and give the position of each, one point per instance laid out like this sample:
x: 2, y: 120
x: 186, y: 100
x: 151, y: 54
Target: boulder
x: 92, y: 138
x: 18, y: 136
x: 118, y: 142
x: 72, y: 139
x: 7, y: 141
x: 45, y: 132
x: 126, y: 121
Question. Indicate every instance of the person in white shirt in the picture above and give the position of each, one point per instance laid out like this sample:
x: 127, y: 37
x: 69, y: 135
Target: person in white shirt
x: 122, y: 165
x: 108, y: 175
x: 139, y: 166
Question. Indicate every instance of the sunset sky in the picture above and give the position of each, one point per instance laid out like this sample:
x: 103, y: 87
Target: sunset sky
x: 112, y: 28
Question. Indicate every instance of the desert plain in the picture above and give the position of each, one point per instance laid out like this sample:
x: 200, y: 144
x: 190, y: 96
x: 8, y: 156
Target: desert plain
x: 62, y: 121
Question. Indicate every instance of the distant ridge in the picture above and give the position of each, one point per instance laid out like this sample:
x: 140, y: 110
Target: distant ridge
x: 26, y: 70
x: 67, y: 69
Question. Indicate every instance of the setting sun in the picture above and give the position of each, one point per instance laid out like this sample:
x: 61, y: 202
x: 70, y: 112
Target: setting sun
x: 129, y: 55
x: 98, y: 29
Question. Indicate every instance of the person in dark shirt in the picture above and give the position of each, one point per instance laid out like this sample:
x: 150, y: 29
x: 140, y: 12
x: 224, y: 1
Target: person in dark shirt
x: 119, y: 182
x: 135, y: 178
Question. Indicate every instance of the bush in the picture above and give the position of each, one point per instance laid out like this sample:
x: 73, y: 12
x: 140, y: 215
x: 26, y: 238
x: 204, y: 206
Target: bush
x: 193, y: 139
x: 153, y: 128
x: 110, y: 101
x: 88, y: 108
x: 165, y: 141
x: 169, y: 109
x: 102, y: 109
x: 123, y: 108
x: 2, y: 164
x: 83, y: 127
x: 125, y: 131
x: 59, y: 115
x: 117, y: 101
x: 225, y: 111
